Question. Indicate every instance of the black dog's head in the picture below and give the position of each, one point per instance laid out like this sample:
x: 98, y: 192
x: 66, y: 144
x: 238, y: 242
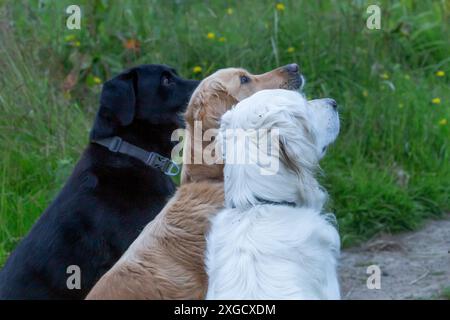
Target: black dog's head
x: 148, y: 94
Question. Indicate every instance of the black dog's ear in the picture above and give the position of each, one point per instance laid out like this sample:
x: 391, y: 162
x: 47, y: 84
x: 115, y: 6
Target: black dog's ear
x: 117, y: 105
x: 118, y: 96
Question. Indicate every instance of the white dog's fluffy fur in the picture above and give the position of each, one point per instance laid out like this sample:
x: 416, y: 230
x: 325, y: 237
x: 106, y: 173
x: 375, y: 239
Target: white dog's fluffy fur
x: 271, y: 249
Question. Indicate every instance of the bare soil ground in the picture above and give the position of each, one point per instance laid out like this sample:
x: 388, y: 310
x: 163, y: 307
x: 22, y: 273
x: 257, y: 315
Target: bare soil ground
x: 413, y: 265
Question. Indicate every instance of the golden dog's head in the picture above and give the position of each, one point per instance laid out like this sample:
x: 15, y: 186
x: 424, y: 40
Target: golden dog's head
x: 223, y: 89
x: 217, y: 94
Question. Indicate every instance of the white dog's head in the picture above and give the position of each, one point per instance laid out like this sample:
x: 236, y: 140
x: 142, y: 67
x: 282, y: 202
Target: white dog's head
x: 285, y: 137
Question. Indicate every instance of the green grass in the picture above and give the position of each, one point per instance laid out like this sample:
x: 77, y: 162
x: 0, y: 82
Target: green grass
x: 445, y: 293
x: 388, y: 171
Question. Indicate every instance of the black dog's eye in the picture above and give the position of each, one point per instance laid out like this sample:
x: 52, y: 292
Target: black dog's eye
x: 166, y: 79
x: 245, y: 79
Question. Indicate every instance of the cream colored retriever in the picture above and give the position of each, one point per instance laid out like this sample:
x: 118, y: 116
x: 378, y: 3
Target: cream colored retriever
x: 167, y: 260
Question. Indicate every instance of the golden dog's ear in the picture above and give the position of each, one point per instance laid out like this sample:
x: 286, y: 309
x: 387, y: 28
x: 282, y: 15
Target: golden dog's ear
x: 208, y: 105
x: 193, y: 110
x: 217, y: 87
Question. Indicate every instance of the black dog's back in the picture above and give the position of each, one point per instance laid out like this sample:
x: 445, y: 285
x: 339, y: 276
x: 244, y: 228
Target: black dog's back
x: 93, y: 220
x: 109, y: 198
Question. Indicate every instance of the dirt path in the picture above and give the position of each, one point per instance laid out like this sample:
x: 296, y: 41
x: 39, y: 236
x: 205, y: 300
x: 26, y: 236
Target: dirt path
x: 413, y: 265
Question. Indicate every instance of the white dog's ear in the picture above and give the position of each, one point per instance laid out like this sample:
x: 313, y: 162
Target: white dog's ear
x: 287, y: 158
x: 225, y: 123
x: 225, y: 120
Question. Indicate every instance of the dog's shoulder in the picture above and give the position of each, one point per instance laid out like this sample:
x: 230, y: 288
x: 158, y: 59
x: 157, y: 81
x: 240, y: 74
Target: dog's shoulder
x: 84, y: 213
x: 168, y: 254
x: 187, y: 215
x: 270, y: 238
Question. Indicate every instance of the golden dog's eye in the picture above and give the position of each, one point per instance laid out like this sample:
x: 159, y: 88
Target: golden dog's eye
x: 245, y: 79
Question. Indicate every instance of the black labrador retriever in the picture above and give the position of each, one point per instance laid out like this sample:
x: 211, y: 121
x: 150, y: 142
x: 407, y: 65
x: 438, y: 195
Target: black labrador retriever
x: 121, y: 182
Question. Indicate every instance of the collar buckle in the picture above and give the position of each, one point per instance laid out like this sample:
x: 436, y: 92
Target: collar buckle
x: 166, y: 165
x: 172, y: 169
x: 115, y: 144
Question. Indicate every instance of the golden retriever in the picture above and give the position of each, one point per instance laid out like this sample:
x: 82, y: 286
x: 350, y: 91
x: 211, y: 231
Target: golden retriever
x: 167, y: 260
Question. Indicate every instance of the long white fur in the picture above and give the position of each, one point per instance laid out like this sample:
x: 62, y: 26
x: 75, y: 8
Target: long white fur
x: 257, y: 250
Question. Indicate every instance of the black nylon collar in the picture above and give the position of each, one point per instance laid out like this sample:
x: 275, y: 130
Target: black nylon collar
x: 151, y: 159
x: 265, y: 201
x: 281, y: 203
x: 330, y: 217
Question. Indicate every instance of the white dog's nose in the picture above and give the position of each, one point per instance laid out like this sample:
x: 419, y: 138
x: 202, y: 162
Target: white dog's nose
x: 332, y: 103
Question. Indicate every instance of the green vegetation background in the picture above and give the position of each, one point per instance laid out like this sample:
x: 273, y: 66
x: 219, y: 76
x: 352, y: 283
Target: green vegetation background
x: 388, y: 171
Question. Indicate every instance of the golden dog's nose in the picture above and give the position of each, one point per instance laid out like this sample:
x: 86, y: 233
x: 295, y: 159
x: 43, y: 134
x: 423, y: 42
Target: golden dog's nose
x: 295, y: 79
x: 292, y: 68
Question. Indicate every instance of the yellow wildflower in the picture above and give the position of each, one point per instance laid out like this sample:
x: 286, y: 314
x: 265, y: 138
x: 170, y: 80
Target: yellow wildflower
x: 280, y: 6
x: 436, y: 100
x: 222, y: 39
x: 440, y: 73
x: 230, y: 11
x: 443, y: 122
x: 197, y: 69
x: 211, y: 35
x: 69, y: 38
x: 97, y: 80
x: 384, y: 76
x: 290, y: 50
